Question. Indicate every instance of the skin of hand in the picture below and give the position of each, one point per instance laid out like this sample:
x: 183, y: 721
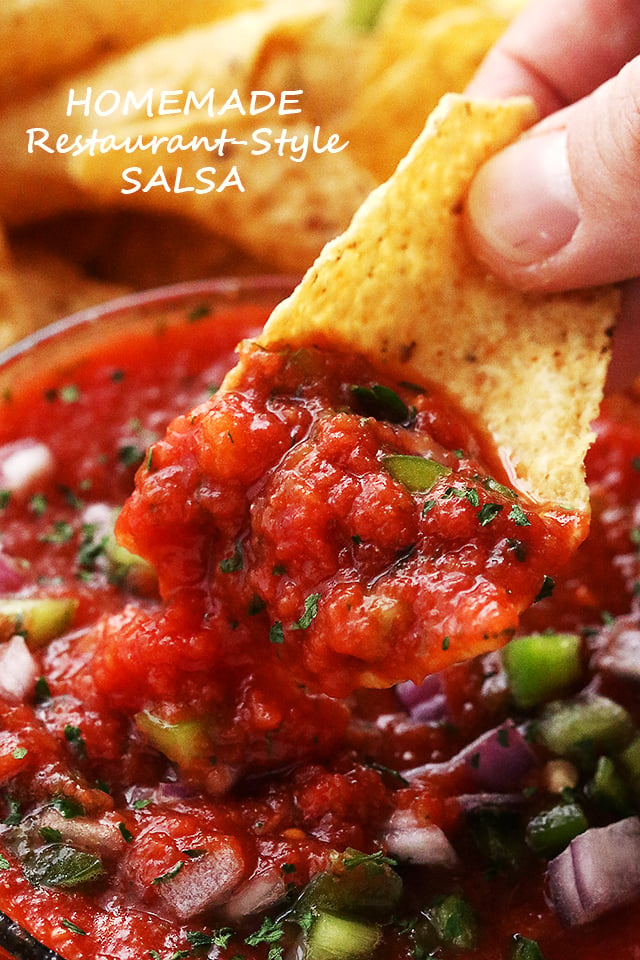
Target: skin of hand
x: 560, y: 208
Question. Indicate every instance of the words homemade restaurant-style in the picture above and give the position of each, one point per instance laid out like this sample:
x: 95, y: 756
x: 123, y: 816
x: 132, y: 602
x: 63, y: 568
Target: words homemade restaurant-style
x: 221, y: 128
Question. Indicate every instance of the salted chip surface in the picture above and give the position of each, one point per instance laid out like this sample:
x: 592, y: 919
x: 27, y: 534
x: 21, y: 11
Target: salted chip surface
x: 401, y: 287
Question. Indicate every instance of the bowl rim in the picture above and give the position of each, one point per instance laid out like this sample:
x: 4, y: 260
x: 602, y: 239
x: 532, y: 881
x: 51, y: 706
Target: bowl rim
x: 230, y: 290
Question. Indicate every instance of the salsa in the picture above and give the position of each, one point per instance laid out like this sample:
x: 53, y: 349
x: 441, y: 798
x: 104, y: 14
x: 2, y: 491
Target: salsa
x: 216, y: 735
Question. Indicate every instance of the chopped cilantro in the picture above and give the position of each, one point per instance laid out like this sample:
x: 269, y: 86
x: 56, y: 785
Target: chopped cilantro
x: 518, y: 516
x: 547, y: 588
x: 256, y: 605
x: 5, y: 499
x: 38, y: 504
x: 68, y: 807
x: 4, y: 863
x: 51, y: 835
x: 446, y: 643
x: 199, y: 312
x: 170, y: 874
x: 271, y: 931
x: 276, y: 633
x: 60, y: 532
x: 14, y: 816
x: 90, y: 548
x: 233, y: 563
x: 73, y: 735
x: 488, y: 513
x: 382, y: 403
x: 74, y: 928
x: 69, y: 394
x: 126, y: 833
x: 19, y: 753
x: 310, y: 612
x: 130, y: 456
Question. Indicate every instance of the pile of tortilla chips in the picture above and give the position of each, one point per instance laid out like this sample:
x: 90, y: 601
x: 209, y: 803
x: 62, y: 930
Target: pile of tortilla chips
x: 370, y: 71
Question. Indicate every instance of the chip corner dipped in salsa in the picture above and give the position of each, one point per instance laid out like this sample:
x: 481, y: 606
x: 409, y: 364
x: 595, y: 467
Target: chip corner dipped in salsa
x: 251, y: 704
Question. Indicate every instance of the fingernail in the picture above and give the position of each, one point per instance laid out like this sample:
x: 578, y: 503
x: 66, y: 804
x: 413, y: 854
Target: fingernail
x: 522, y: 203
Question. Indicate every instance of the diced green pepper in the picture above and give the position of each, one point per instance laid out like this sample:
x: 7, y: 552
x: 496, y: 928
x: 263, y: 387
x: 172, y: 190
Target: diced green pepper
x: 454, y: 921
x: 541, y: 666
x: 38, y: 619
x: 356, y: 885
x: 551, y: 831
x: 336, y: 938
x: 182, y: 741
x: 629, y: 761
x: 608, y: 789
x: 498, y: 837
x: 584, y: 728
x: 417, y: 474
x: 525, y: 949
x: 127, y: 567
x: 364, y: 13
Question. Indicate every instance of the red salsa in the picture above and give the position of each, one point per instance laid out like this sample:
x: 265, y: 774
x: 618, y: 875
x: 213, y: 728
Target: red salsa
x: 216, y: 735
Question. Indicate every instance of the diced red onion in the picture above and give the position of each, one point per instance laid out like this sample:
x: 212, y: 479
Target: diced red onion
x: 259, y: 893
x: 500, y: 758
x: 11, y: 576
x: 599, y: 870
x: 204, y: 883
x: 470, y: 802
x: 164, y: 792
x: 23, y: 464
x: 101, y: 837
x: 413, y: 842
x: 425, y: 702
x: 620, y: 653
x: 18, y: 670
x: 497, y: 760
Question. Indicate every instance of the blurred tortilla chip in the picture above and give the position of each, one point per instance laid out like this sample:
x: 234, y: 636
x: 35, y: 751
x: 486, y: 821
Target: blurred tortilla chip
x: 401, y: 286
x: 41, y: 40
x: 426, y: 60
x: 288, y: 209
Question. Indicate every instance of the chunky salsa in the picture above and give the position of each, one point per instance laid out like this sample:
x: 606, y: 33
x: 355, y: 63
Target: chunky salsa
x: 216, y: 735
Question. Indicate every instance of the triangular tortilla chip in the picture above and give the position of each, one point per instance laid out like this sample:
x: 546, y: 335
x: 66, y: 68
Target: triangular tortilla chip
x: 401, y: 287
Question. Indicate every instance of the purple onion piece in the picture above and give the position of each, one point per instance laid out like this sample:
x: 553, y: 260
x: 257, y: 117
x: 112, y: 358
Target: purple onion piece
x: 11, y: 576
x: 499, y: 759
x: 425, y: 702
x: 599, y: 870
x: 620, y: 652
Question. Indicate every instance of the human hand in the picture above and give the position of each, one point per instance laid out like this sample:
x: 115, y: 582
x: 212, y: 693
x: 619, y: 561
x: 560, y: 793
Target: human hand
x: 560, y: 208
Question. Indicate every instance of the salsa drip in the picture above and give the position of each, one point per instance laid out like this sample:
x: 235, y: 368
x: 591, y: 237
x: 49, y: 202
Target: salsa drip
x: 176, y: 777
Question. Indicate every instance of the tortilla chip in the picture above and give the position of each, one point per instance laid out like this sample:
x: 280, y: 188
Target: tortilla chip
x: 401, y: 286
x: 41, y: 40
x: 440, y: 57
x: 288, y: 210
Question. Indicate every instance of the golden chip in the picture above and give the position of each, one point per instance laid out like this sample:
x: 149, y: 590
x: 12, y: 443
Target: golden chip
x: 401, y: 286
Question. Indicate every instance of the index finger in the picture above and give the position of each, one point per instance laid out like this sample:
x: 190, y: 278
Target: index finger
x: 560, y: 52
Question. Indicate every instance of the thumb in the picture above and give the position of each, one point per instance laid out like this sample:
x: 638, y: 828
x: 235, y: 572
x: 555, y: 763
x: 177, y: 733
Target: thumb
x: 560, y: 208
